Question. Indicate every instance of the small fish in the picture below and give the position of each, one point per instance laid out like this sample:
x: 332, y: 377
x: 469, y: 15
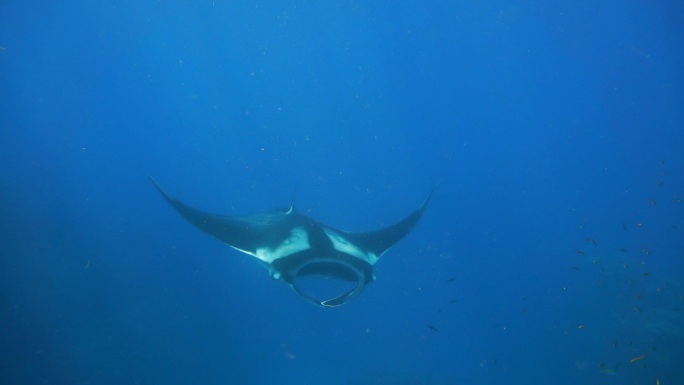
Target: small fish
x: 637, y: 358
x: 676, y: 199
x: 652, y: 202
x: 592, y: 240
x: 609, y: 372
x: 580, y: 326
x: 453, y: 301
x: 579, y: 252
x: 450, y: 280
x: 434, y: 329
x: 657, y: 381
x: 661, y: 182
x: 646, y: 274
x: 637, y: 308
x: 574, y: 267
x: 624, y: 226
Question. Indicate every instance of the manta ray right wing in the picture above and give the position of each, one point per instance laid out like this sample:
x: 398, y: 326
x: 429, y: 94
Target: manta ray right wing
x: 247, y: 234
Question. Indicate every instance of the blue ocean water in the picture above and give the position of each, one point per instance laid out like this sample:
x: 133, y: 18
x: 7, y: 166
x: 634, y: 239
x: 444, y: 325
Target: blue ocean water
x: 552, y: 251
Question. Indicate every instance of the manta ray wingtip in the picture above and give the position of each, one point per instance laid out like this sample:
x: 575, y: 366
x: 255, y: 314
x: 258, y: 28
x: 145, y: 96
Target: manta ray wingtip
x: 427, y: 200
x: 293, y: 206
x: 161, y: 190
x: 154, y: 182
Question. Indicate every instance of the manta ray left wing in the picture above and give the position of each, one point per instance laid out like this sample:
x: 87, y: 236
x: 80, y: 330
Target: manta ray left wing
x: 294, y: 246
x: 379, y: 241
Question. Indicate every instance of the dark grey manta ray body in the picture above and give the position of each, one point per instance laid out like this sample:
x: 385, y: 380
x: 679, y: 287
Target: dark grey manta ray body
x: 292, y: 245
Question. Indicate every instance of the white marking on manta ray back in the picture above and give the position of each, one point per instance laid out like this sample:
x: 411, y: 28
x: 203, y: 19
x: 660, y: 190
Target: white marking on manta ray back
x: 296, y: 242
x: 341, y: 244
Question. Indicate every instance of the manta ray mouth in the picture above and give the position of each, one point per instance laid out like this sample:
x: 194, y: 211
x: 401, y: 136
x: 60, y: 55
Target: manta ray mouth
x: 329, y: 282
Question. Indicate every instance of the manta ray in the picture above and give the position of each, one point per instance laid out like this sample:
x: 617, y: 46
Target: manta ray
x: 292, y: 245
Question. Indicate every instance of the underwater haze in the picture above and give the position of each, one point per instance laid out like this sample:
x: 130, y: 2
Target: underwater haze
x: 552, y: 134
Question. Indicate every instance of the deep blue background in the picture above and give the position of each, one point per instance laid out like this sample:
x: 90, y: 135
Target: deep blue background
x: 545, y: 128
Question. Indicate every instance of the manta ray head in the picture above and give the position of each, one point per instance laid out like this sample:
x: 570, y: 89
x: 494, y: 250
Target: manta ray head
x: 326, y: 281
